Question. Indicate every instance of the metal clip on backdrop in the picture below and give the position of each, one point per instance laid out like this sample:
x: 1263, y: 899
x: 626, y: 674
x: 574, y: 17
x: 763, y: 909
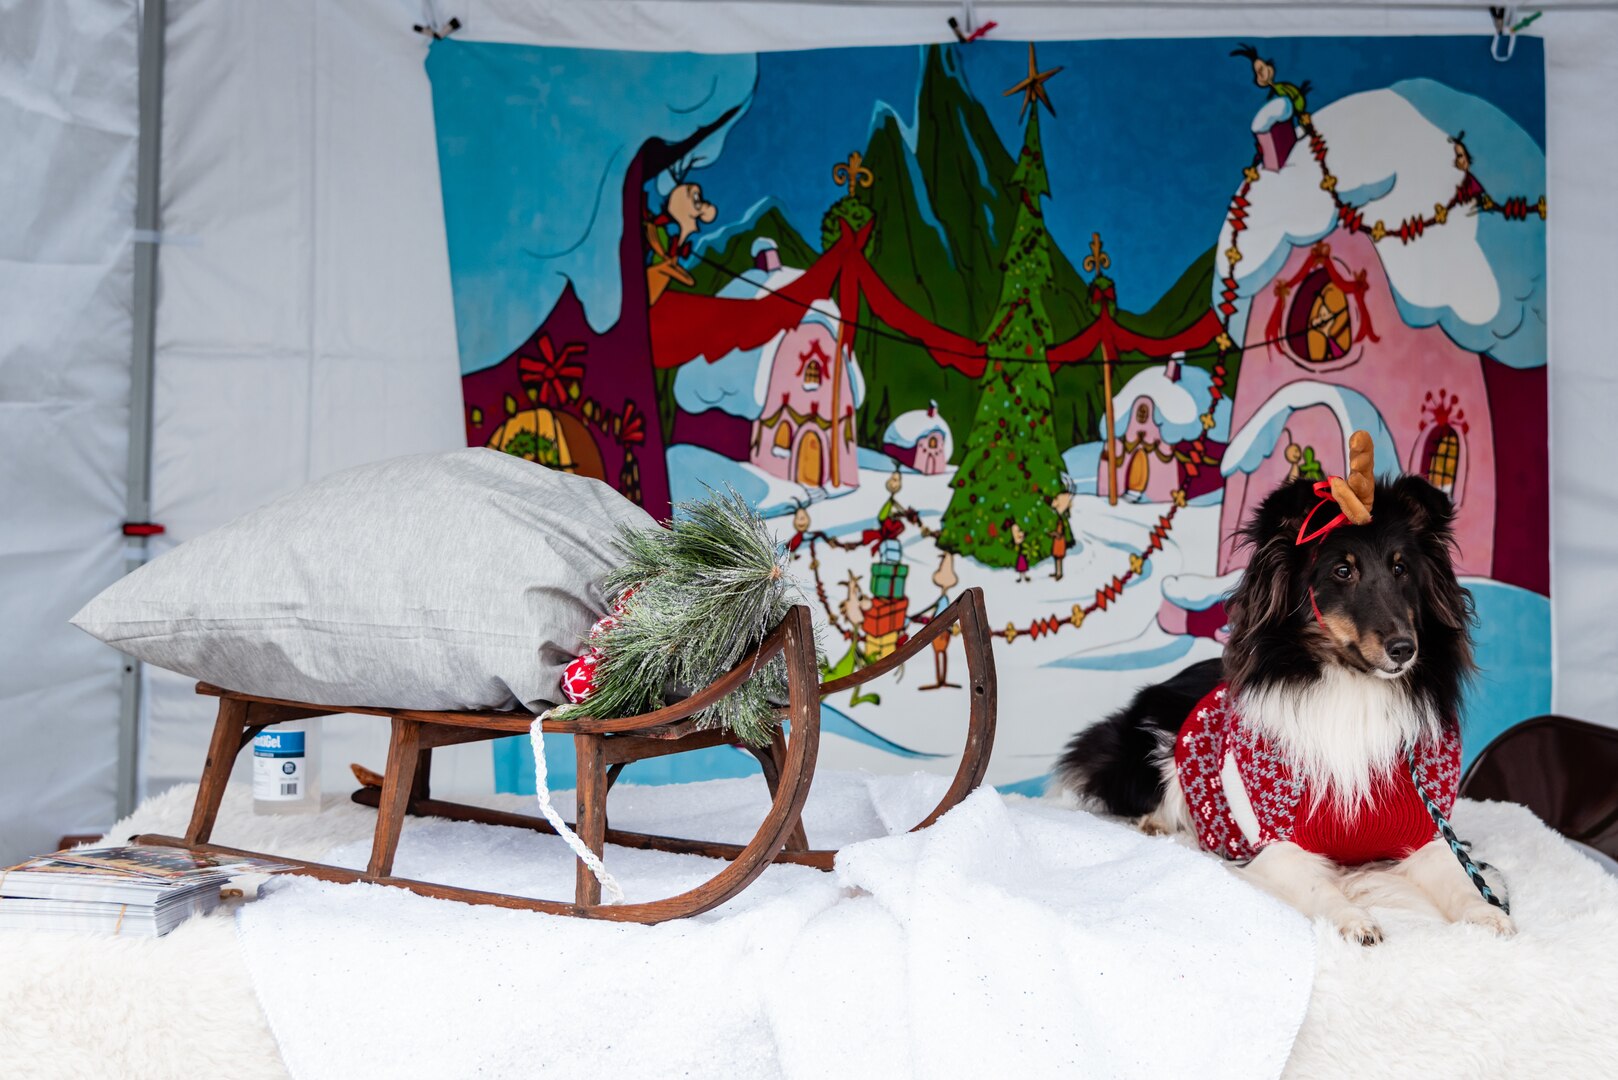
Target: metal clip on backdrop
x: 1506, y: 28
x: 966, y: 28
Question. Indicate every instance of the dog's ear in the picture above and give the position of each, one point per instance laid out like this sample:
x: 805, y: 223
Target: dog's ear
x: 1429, y: 511
x: 1431, y: 517
x: 1264, y: 595
x: 1282, y: 513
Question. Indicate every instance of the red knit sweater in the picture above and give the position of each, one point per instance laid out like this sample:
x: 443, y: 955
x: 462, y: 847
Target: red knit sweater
x: 1393, y: 824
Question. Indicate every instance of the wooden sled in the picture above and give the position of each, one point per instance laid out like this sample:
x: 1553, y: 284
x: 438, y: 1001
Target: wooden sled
x: 604, y: 748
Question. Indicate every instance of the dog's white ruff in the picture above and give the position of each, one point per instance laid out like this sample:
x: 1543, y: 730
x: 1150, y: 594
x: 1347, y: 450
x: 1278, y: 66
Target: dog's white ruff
x: 1340, y: 729
x: 1432, y: 1000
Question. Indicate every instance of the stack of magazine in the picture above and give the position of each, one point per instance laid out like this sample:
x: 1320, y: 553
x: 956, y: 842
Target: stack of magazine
x: 132, y: 891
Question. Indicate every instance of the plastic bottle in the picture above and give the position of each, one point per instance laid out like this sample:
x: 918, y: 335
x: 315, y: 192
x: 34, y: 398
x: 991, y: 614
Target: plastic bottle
x: 286, y: 768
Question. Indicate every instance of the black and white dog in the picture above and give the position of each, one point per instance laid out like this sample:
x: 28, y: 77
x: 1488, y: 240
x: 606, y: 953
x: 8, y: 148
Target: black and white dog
x: 1345, y: 664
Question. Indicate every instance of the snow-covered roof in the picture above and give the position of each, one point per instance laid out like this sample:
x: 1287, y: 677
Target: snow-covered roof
x: 1199, y: 592
x: 1478, y: 276
x: 1272, y: 113
x: 909, y: 428
x: 1257, y: 439
x: 737, y: 382
x: 1177, y: 407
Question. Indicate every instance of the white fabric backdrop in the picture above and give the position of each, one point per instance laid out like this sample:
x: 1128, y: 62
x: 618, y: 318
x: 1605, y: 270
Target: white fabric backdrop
x: 305, y: 319
x: 68, y: 126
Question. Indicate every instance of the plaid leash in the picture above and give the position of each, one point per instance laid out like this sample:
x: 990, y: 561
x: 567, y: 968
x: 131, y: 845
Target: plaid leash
x: 1458, y: 846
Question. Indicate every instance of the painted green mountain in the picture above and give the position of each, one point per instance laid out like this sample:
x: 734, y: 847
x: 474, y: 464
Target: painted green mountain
x: 944, y: 209
x: 943, y: 204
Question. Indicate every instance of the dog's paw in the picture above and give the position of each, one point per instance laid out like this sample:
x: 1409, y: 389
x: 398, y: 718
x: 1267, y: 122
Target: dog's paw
x: 1150, y: 825
x: 1359, y: 927
x: 1489, y: 917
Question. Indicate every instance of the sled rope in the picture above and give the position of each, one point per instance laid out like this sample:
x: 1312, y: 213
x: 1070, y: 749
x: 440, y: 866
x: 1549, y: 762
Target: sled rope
x: 542, y: 791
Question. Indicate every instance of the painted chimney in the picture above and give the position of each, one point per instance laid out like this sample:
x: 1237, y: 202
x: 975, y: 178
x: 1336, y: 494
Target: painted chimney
x: 1275, y: 145
x: 765, y: 256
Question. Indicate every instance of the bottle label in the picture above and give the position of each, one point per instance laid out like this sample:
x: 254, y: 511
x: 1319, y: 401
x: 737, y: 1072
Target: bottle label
x: 279, y: 766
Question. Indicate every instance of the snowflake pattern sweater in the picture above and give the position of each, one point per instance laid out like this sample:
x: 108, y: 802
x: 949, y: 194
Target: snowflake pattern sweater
x: 1214, y: 744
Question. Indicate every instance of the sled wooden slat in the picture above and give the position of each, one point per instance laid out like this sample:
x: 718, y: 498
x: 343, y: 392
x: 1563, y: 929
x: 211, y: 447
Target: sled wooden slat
x: 603, y: 749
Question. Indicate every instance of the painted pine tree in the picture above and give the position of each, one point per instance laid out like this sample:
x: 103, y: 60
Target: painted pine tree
x: 1011, y: 468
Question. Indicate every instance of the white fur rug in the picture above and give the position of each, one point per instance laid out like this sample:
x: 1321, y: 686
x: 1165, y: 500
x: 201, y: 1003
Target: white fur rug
x: 1005, y: 940
x: 1432, y: 1001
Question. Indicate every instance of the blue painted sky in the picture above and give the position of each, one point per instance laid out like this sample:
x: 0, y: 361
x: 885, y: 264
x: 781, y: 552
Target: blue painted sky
x: 1146, y: 146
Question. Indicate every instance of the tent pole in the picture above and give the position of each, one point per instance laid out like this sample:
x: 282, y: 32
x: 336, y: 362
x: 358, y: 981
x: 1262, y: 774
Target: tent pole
x: 138, y: 500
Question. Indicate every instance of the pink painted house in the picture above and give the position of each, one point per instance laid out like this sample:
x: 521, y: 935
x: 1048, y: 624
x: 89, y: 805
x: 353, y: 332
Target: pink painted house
x: 1346, y: 359
x: 1328, y: 351
x: 805, y: 432
x: 1145, y: 454
x: 919, y: 439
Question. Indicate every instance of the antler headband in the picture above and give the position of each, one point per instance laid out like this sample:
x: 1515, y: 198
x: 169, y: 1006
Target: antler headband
x: 1352, y: 496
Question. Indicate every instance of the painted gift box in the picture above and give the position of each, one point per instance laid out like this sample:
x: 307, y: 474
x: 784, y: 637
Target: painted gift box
x: 885, y: 616
x: 879, y: 647
x: 888, y: 580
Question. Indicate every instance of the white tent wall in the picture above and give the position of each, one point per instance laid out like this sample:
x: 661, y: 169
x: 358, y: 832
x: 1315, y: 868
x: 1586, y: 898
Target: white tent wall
x: 68, y: 129
x: 305, y: 320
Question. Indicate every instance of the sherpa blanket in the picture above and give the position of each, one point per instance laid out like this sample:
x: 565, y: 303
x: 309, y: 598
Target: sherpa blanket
x: 1433, y: 1000
x: 1010, y: 939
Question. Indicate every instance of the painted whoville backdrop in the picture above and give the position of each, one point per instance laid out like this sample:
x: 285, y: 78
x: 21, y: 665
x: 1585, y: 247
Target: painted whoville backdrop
x: 1050, y: 322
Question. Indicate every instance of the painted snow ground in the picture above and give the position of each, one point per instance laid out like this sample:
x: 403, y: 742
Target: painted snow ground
x: 1049, y: 687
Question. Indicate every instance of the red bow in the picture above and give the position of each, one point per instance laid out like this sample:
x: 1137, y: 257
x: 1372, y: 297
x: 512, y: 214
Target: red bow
x: 888, y: 530
x: 1323, y: 489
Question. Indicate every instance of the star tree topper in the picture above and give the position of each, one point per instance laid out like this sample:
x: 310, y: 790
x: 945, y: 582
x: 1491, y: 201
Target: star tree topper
x: 1033, y: 87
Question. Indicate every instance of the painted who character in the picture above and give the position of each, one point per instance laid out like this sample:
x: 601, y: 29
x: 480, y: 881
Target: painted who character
x: 1296, y: 94
x: 669, y: 234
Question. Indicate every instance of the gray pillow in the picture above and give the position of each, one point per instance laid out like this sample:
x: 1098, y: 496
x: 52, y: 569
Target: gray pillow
x: 444, y: 581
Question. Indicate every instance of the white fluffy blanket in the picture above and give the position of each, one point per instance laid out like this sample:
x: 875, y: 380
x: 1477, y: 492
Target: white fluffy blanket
x: 897, y: 966
x: 1015, y: 941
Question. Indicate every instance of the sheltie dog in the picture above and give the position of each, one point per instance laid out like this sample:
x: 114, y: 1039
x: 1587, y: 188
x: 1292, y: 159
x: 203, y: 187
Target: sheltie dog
x: 1344, y: 654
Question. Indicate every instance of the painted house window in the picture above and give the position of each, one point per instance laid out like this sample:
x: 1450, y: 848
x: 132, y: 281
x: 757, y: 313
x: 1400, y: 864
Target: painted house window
x: 783, y: 440
x: 811, y: 374
x: 1442, y: 458
x: 1319, y: 326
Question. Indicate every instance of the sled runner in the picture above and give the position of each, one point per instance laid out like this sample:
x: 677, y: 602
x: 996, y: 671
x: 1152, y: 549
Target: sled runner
x: 603, y: 749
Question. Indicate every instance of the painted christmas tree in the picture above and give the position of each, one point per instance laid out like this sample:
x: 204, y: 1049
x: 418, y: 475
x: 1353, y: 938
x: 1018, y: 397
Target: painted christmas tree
x: 1011, y: 468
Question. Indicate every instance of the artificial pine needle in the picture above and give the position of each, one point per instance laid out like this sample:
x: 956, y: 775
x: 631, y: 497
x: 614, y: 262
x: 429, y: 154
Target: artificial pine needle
x: 705, y: 592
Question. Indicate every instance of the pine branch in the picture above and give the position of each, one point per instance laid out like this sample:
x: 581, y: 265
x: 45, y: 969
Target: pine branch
x: 706, y: 591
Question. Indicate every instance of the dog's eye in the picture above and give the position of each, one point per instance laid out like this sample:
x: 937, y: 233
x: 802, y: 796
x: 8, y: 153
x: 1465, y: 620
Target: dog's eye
x: 1400, y: 570
x: 1342, y: 571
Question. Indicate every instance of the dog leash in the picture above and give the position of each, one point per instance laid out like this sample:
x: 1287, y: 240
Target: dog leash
x: 1474, y: 870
